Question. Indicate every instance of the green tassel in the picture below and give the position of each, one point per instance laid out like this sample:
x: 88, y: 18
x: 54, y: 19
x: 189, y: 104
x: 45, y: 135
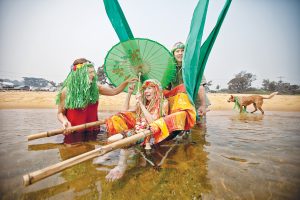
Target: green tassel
x: 237, y: 104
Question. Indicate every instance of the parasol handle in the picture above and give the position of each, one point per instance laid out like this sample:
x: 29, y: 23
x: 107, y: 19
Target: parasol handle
x: 140, y: 74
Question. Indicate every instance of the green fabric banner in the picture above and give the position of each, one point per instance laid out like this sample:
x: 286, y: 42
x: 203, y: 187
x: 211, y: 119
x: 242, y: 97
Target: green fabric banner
x: 191, y: 62
x: 118, y: 20
x: 195, y: 59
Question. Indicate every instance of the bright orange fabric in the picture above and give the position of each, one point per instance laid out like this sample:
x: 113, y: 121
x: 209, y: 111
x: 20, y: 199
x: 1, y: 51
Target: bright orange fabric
x: 120, y: 122
x: 182, y: 116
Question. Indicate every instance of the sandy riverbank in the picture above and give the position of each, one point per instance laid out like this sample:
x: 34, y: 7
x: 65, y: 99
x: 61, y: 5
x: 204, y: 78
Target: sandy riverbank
x: 31, y: 100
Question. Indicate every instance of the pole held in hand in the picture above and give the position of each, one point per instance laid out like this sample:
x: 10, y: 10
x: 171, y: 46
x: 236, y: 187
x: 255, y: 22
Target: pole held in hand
x: 60, y: 131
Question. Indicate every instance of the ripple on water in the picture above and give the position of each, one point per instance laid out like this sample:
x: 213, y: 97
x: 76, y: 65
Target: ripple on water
x: 235, y: 157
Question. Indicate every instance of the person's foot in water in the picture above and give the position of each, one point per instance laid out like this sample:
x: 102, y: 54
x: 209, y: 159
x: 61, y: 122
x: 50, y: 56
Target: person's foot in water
x: 118, y: 171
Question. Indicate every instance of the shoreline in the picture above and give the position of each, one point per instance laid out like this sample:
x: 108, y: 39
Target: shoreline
x: 46, y: 100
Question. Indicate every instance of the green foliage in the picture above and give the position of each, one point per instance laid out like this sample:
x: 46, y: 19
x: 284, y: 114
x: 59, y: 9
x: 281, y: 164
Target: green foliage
x: 241, y: 82
x: 280, y: 86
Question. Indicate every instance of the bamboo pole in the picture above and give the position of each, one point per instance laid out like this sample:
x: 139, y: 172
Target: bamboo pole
x: 60, y: 131
x: 33, y: 177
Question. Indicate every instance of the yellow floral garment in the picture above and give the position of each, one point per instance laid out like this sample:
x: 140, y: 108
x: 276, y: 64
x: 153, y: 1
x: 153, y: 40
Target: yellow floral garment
x: 181, y: 116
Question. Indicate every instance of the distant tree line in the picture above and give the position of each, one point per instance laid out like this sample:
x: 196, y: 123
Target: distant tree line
x: 242, y: 82
x: 280, y: 86
x: 37, y: 82
x: 30, y: 81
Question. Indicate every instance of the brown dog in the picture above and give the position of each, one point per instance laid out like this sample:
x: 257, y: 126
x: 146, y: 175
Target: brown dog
x: 256, y: 100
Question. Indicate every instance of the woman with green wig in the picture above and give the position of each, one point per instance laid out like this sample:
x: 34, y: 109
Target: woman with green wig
x: 78, y: 100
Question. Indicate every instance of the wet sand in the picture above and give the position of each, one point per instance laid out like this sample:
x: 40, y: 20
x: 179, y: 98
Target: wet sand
x: 32, y: 100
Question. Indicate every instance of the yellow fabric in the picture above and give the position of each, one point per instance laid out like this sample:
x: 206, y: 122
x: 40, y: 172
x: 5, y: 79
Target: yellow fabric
x: 180, y: 119
x: 181, y: 102
x: 163, y: 129
x: 118, y: 123
x: 182, y: 116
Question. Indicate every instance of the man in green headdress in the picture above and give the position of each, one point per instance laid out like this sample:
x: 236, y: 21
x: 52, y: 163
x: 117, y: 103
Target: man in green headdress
x: 78, y: 100
x: 202, y: 101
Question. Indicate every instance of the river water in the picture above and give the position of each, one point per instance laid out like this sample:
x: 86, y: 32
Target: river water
x: 246, y: 156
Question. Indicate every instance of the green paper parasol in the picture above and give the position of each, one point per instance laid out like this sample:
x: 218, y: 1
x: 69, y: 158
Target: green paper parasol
x: 141, y: 56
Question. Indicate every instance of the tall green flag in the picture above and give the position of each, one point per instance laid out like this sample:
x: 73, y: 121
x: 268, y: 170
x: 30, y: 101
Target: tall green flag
x: 118, y: 20
x: 191, y: 65
x: 195, y: 58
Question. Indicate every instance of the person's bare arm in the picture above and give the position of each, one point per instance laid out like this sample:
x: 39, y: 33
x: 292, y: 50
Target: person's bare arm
x: 149, y: 118
x: 128, y: 97
x: 104, y: 90
x: 62, y: 111
x: 201, y: 95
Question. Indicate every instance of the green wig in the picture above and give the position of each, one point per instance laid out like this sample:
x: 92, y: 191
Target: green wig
x: 80, y: 92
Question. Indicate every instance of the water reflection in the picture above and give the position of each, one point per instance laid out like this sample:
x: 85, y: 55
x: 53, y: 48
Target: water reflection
x: 182, y: 173
x: 46, y: 146
x: 79, y: 181
x: 238, y: 157
x: 247, y: 117
x: 254, y: 156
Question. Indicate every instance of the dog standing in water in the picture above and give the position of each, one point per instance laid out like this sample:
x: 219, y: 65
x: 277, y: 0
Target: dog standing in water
x: 256, y: 100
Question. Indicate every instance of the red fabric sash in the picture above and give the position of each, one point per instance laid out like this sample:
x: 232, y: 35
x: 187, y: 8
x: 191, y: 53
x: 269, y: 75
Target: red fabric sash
x: 178, y: 89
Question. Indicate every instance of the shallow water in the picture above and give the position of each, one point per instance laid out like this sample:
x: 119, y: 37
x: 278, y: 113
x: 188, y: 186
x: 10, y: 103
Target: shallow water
x: 237, y: 157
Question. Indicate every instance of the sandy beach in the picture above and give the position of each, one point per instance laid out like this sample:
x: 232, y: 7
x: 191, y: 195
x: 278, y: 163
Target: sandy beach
x: 32, y: 100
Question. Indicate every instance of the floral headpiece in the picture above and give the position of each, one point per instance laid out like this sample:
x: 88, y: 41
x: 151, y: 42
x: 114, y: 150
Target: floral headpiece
x: 79, y: 66
x: 151, y: 83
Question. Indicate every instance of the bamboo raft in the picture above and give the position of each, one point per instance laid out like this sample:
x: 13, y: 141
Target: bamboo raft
x: 38, y: 175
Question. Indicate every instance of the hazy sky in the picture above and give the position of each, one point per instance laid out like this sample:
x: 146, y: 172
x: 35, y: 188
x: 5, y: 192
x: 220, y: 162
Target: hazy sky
x: 41, y: 38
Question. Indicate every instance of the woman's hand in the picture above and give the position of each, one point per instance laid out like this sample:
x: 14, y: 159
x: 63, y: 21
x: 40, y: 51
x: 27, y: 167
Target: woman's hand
x: 202, y: 110
x: 132, y: 80
x: 131, y: 88
x: 66, y: 124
